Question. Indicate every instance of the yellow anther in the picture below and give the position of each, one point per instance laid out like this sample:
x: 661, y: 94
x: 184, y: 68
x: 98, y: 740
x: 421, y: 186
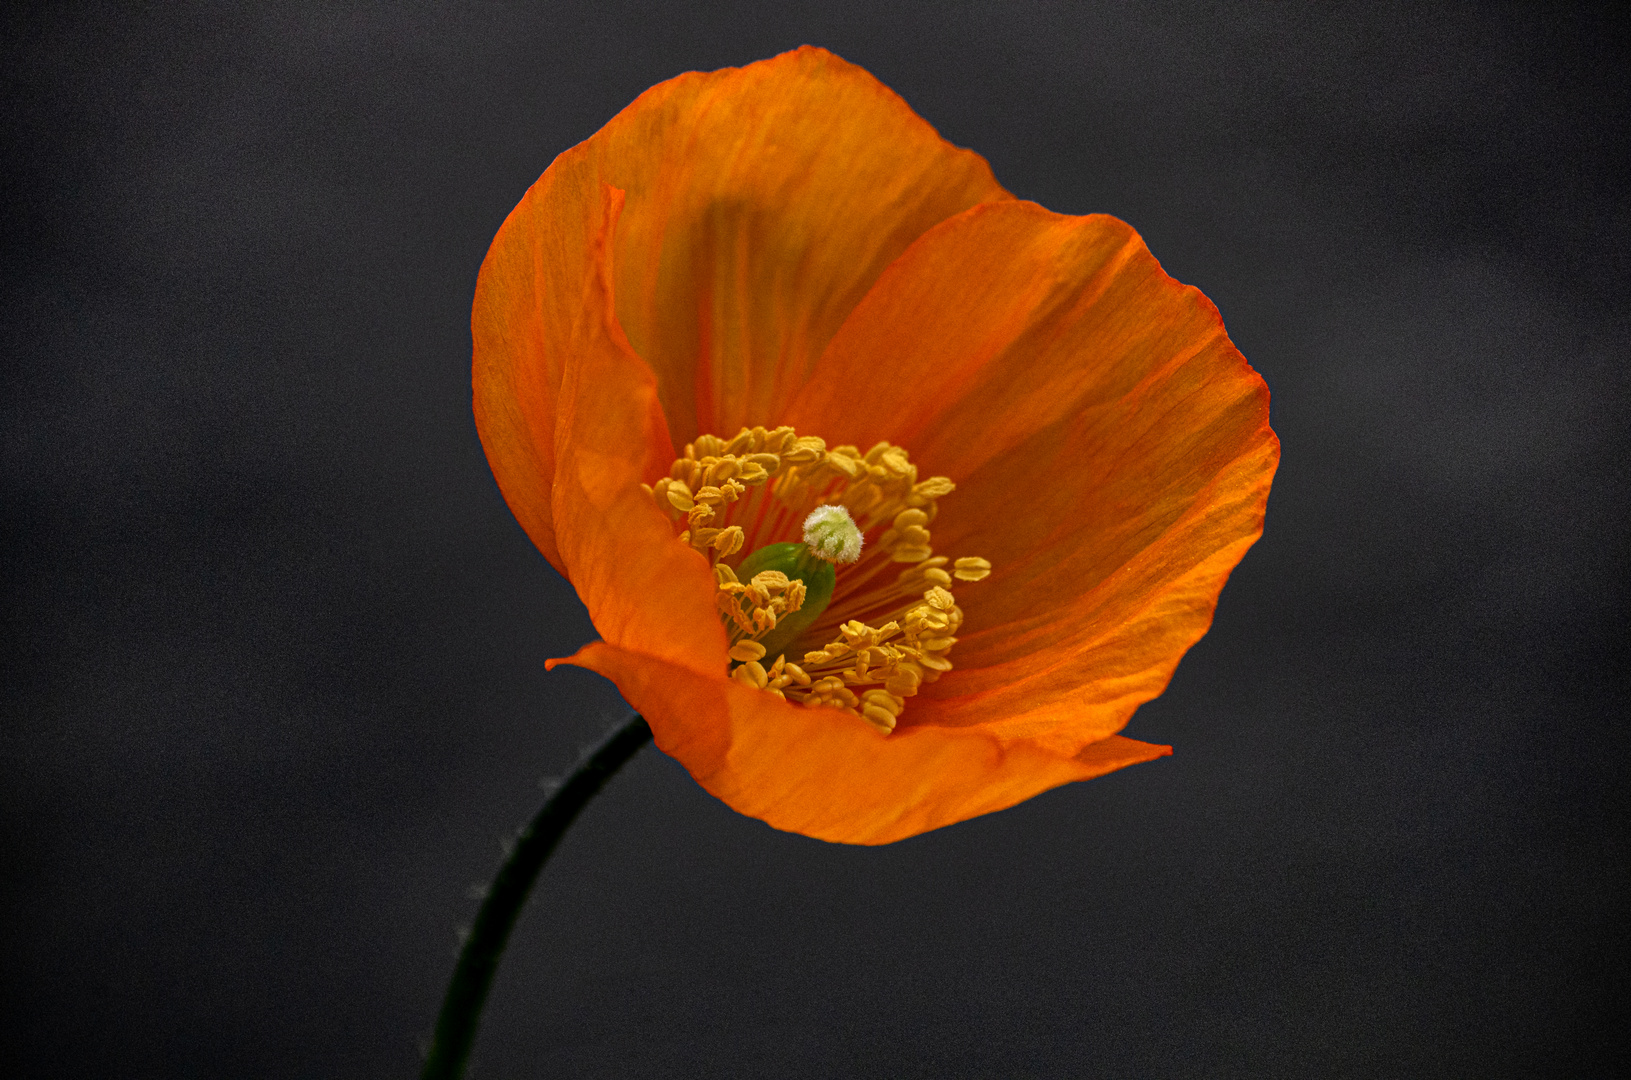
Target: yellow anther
x: 878, y: 718
x: 729, y: 541
x: 972, y: 569
x: 895, y: 461
x: 841, y: 460
x: 747, y: 650
x: 778, y: 440
x: 807, y: 450
x: 769, y: 580
x: 913, y: 577
x: 751, y: 674
x: 720, y: 471
x: 883, y: 699
x: 903, y: 685
x: 940, y: 598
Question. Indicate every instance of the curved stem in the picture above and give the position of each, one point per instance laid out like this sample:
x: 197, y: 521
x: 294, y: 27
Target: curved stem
x: 478, y: 960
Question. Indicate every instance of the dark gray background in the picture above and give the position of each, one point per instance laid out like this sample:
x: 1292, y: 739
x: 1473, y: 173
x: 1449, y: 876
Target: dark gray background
x: 274, y: 682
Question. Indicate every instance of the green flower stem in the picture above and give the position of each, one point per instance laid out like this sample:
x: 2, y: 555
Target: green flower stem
x: 478, y: 960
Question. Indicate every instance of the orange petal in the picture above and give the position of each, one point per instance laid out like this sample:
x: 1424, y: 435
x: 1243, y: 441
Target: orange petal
x: 1110, y: 445
x: 645, y: 590
x: 829, y: 775
x: 529, y: 301
x: 762, y: 204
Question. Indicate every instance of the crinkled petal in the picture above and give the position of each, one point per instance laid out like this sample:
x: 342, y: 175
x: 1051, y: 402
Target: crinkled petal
x: 762, y: 203
x: 529, y: 302
x: 1110, y: 445
x: 830, y: 775
x: 645, y: 590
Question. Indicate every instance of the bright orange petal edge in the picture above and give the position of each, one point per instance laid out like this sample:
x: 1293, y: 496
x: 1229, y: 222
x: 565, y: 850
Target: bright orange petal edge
x: 789, y: 243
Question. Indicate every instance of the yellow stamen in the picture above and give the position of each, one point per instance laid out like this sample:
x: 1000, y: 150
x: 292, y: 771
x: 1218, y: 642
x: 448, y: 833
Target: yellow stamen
x: 886, y: 633
x: 747, y: 650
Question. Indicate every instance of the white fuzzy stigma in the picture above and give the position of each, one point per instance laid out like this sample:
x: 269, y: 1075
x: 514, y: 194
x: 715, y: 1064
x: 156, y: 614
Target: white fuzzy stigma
x: 832, y: 534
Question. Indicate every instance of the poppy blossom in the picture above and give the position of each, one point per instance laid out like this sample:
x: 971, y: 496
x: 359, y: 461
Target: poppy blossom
x: 890, y: 495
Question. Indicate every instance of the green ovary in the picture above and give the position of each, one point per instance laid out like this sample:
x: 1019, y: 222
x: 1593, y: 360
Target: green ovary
x: 798, y: 562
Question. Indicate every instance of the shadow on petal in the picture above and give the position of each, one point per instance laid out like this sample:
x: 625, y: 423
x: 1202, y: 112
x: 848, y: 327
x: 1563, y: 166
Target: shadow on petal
x: 829, y: 775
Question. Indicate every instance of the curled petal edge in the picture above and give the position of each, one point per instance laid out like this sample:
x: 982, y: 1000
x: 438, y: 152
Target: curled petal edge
x: 643, y: 589
x: 828, y: 775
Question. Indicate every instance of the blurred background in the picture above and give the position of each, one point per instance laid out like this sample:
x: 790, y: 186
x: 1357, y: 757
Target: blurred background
x: 274, y: 681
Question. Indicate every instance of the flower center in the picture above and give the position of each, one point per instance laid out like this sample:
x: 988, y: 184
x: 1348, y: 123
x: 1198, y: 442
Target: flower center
x: 866, y: 639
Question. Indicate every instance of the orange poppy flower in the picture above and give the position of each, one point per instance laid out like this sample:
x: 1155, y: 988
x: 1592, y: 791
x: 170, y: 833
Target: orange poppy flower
x: 758, y: 292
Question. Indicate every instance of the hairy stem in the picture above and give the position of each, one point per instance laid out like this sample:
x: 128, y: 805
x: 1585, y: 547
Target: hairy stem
x: 478, y: 960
